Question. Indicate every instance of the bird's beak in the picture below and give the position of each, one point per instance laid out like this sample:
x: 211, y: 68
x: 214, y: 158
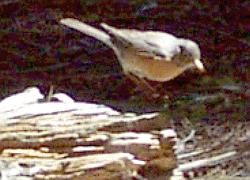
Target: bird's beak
x: 199, y: 65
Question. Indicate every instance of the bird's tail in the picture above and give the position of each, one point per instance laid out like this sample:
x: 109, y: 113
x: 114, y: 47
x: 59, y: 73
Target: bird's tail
x: 87, y: 29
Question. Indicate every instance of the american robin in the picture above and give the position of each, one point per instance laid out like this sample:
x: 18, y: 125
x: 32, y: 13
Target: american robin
x: 153, y: 55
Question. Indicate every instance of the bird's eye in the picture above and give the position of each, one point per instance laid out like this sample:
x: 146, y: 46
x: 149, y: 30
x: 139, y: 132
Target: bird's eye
x: 184, y: 51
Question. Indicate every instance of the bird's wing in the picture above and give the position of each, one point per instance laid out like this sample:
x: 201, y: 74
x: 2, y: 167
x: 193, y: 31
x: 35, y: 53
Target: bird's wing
x: 158, y: 45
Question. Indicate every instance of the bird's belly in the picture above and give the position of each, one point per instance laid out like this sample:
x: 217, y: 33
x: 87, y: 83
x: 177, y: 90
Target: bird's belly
x: 155, y: 70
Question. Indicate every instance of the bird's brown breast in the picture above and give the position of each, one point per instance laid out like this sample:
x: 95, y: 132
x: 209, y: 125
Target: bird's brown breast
x: 152, y: 69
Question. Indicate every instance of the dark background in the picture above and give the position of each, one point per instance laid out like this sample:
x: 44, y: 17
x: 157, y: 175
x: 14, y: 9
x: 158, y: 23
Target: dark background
x: 37, y: 51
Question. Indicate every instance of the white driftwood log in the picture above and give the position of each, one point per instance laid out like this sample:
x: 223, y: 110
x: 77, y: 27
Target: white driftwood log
x: 65, y: 139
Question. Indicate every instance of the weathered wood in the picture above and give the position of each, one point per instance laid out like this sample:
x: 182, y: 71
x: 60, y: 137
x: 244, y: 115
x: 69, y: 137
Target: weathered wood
x: 73, y: 140
x: 64, y: 139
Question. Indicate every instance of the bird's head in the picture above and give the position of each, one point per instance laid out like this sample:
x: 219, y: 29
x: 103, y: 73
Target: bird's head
x: 193, y: 48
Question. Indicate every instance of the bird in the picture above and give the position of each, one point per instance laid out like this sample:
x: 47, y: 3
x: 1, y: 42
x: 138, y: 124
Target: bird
x: 145, y: 55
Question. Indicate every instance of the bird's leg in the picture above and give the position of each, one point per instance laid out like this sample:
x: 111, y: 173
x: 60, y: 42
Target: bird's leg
x: 139, y: 82
x: 142, y: 84
x: 147, y: 85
